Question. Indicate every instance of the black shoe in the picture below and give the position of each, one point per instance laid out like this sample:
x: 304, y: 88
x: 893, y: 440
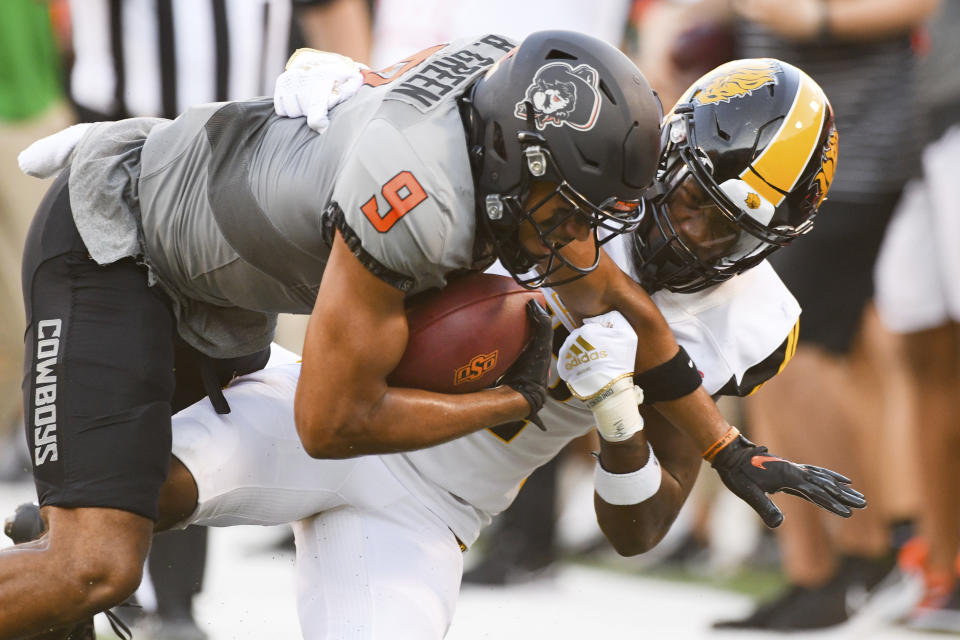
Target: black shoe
x: 83, y: 631
x: 767, y: 613
x: 691, y: 551
x: 820, y: 607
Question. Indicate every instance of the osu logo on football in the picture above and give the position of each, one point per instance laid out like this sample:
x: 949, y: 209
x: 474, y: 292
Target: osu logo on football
x: 478, y: 365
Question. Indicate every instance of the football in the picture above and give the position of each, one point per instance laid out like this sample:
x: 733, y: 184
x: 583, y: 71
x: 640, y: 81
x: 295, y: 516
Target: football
x: 465, y: 336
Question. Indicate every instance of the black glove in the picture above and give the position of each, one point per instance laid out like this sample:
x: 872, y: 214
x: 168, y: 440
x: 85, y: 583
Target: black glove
x: 528, y: 375
x: 751, y: 473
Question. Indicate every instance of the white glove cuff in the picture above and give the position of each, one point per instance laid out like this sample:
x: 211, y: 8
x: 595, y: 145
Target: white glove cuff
x: 615, y: 409
x: 628, y: 488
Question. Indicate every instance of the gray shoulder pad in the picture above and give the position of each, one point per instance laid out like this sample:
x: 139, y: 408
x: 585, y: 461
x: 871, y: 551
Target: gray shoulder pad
x: 405, y: 202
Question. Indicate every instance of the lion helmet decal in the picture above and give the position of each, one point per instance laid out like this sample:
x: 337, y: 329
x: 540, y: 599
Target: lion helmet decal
x: 562, y: 95
x: 735, y: 80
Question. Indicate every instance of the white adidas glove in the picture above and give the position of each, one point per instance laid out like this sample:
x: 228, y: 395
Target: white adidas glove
x: 48, y: 156
x: 596, y: 362
x: 313, y: 83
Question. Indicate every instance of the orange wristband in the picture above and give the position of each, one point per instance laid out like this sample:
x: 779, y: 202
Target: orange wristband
x: 727, y: 438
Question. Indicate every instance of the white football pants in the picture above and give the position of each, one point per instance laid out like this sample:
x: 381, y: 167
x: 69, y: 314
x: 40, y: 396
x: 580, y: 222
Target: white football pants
x: 372, y: 562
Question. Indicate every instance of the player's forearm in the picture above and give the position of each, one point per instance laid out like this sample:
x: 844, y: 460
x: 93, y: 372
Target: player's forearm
x: 637, y: 528
x: 609, y: 288
x: 854, y: 20
x: 404, y: 420
x: 697, y: 415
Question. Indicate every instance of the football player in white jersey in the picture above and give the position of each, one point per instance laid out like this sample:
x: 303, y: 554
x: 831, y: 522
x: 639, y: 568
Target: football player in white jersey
x: 379, y: 537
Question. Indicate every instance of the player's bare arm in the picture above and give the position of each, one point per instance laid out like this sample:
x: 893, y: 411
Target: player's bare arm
x: 637, y: 528
x: 356, y: 336
x: 605, y: 384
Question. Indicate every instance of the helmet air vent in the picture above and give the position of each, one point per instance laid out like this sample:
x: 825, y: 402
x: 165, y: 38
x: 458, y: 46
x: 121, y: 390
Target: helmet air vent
x: 499, y: 146
x: 721, y: 133
x: 557, y: 54
x: 606, y: 91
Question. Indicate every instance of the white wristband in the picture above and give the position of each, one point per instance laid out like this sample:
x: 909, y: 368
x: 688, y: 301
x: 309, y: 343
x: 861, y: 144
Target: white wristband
x: 628, y: 488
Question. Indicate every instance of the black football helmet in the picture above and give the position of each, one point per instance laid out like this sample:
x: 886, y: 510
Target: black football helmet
x: 569, y: 110
x: 747, y: 156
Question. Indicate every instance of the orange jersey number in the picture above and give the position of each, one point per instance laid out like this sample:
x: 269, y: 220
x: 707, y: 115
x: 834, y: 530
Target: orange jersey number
x: 402, y: 192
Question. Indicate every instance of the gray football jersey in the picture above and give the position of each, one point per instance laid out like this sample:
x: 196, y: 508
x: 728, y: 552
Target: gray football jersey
x: 238, y: 206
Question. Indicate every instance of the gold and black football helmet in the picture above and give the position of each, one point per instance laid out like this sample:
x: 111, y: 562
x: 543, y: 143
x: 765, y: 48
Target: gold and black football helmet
x: 747, y: 156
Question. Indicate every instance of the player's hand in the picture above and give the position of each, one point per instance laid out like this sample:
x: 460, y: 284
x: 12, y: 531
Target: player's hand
x: 529, y: 374
x: 596, y: 362
x: 600, y: 351
x: 314, y: 82
x: 751, y: 472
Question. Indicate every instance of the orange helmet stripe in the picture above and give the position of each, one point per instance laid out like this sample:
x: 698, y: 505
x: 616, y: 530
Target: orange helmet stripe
x: 785, y: 158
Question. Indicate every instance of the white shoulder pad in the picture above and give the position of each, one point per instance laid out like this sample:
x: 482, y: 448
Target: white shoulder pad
x: 737, y: 328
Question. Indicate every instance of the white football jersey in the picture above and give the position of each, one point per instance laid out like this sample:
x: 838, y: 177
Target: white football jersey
x: 739, y: 334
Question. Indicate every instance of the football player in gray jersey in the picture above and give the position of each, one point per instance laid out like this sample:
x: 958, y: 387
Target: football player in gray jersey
x: 236, y: 214
x: 442, y: 163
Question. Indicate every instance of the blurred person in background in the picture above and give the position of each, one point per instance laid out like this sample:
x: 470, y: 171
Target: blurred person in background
x: 156, y: 58
x: 918, y: 298
x: 403, y: 26
x: 862, y: 53
x: 31, y: 106
x: 677, y: 42
x: 826, y: 404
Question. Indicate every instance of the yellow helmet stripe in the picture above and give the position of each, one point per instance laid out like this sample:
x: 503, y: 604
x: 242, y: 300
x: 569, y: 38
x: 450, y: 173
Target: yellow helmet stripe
x: 784, y: 159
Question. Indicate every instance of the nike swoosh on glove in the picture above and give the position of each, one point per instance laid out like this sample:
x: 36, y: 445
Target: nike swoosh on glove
x: 750, y: 472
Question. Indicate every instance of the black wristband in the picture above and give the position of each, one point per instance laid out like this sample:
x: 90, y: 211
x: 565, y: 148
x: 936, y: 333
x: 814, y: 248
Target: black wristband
x: 673, y: 379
